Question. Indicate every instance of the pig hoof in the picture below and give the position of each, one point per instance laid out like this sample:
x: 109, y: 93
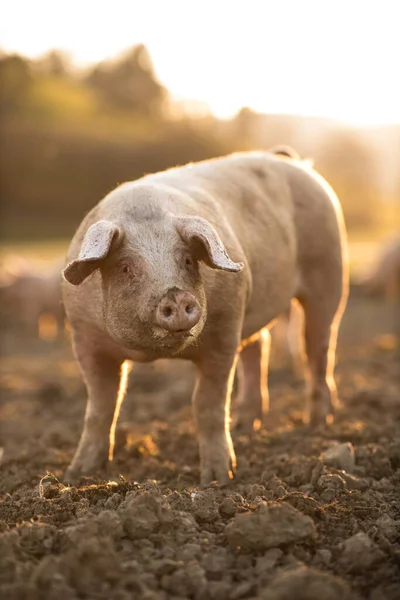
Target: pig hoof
x: 320, y: 418
x: 249, y: 428
x: 222, y: 480
x: 247, y: 424
x: 322, y: 407
x: 72, y: 476
x: 222, y: 475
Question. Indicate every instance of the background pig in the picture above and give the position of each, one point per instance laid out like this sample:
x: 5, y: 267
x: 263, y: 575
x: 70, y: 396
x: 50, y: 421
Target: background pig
x: 384, y: 278
x: 194, y: 263
x: 27, y: 293
x: 383, y: 281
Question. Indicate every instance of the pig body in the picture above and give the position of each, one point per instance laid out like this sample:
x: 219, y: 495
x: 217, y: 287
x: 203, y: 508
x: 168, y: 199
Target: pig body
x: 195, y: 263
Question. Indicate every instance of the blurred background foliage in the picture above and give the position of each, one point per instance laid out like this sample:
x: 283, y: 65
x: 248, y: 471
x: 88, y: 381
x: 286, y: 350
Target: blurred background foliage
x: 69, y: 136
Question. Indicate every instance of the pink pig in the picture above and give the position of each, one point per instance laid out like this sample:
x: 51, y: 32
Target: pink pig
x: 194, y: 263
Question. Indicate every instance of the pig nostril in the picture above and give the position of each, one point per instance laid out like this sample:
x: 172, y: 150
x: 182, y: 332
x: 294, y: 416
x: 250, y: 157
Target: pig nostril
x: 189, y: 309
x: 167, y: 311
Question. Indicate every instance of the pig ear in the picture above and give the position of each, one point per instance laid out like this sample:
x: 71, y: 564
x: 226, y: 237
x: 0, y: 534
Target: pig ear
x: 95, y: 247
x: 215, y: 256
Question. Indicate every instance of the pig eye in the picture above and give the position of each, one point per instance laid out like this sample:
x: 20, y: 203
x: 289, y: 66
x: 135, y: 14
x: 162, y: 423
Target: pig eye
x: 189, y: 262
x: 126, y: 268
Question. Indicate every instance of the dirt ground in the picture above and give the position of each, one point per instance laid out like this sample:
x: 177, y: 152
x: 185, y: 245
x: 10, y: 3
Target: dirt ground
x: 294, y: 525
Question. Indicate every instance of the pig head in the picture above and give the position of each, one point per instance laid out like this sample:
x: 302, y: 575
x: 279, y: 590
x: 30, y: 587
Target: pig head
x: 153, y: 297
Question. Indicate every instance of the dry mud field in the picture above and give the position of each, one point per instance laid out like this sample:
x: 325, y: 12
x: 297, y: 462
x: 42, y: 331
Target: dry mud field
x: 292, y: 526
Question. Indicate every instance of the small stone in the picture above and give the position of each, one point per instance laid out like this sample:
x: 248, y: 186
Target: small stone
x: 359, y: 552
x: 289, y: 561
x: 276, y: 485
x: 302, y: 471
x: 109, y: 523
x: 389, y: 528
x: 242, y: 590
x: 268, y: 561
x: 197, y: 577
x: 386, y: 591
x: 340, y: 456
x: 228, y: 507
x: 189, y: 552
x: 144, y: 514
x: 216, y: 564
x: 382, y: 485
x: 323, y: 556
x: 166, y: 566
x: 332, y: 485
x: 218, y: 590
x: 178, y: 583
x: 305, y: 504
x: 269, y: 526
x: 185, y: 522
x: 205, y: 506
x: 316, y: 473
x: 306, y: 584
x: 113, y: 501
x: 256, y: 491
x: 69, y: 494
x: 243, y: 562
x: 306, y: 489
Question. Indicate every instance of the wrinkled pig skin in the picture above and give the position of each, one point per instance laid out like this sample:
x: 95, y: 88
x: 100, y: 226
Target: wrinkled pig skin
x: 195, y: 263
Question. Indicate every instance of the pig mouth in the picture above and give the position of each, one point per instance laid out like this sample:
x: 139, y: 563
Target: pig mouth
x: 170, y: 338
x: 181, y: 334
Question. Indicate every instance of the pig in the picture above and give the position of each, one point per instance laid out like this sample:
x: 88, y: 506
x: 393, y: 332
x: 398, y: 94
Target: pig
x: 195, y: 263
x: 383, y: 282
x: 28, y: 293
x: 384, y: 278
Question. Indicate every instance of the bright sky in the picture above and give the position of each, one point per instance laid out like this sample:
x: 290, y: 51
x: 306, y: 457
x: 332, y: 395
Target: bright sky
x: 333, y: 58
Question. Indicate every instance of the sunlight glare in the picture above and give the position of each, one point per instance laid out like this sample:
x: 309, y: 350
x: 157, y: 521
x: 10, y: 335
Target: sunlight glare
x: 299, y: 57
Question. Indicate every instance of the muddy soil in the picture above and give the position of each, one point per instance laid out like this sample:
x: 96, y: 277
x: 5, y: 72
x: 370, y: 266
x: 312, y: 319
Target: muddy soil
x: 310, y: 515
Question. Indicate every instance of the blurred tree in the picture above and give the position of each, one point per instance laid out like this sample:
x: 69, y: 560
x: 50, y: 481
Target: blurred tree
x: 246, y: 123
x: 15, y: 82
x: 350, y: 165
x: 130, y: 83
x: 253, y: 129
x: 54, y: 63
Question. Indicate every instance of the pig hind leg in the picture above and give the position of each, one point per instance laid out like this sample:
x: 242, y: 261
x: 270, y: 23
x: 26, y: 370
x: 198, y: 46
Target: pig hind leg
x: 295, y: 338
x: 323, y: 305
x: 253, y: 397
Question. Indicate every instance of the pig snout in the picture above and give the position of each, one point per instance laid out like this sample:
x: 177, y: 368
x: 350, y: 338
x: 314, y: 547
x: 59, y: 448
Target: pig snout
x: 178, y: 311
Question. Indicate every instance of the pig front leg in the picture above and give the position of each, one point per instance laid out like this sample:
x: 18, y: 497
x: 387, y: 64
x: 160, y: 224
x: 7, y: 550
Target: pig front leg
x: 211, y: 405
x: 106, y: 381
